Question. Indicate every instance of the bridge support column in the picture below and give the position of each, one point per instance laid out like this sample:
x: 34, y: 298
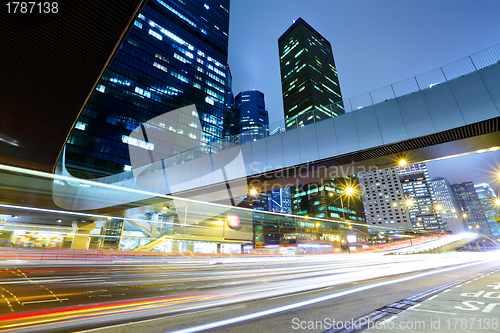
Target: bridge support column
x: 82, y: 235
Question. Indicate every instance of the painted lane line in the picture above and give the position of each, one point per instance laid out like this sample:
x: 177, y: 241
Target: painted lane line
x: 45, y: 301
x: 388, y: 320
x: 423, y: 310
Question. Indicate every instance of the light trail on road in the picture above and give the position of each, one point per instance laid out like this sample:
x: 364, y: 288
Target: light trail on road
x: 102, y: 295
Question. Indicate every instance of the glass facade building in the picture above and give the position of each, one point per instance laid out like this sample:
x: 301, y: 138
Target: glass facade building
x: 471, y: 209
x: 309, y: 79
x: 487, y: 197
x: 444, y: 198
x: 174, y: 56
x: 250, y: 116
x: 419, y: 198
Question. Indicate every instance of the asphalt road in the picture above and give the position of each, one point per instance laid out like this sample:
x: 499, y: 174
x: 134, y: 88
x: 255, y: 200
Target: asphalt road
x: 185, y: 293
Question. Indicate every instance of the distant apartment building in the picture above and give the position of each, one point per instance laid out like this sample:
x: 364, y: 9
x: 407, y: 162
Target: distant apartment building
x: 384, y: 200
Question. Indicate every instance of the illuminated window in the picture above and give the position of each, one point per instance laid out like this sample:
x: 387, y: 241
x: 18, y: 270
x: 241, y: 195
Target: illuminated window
x: 137, y: 142
x: 155, y: 34
x: 81, y: 126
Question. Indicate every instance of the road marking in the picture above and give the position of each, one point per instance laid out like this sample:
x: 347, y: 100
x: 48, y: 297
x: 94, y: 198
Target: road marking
x: 423, y: 310
x: 414, y: 306
x: 432, y: 297
x: 45, y: 301
x: 388, y: 320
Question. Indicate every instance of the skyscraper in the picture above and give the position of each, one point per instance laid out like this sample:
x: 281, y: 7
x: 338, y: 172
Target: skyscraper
x: 445, y: 198
x: 472, y: 212
x: 281, y: 201
x: 328, y: 200
x: 309, y: 79
x: 487, y: 197
x: 229, y: 104
x: 174, y: 56
x: 250, y: 116
x: 420, y: 200
x: 384, y: 200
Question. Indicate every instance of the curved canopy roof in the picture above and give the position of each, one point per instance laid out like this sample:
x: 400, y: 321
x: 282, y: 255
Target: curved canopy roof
x: 49, y: 65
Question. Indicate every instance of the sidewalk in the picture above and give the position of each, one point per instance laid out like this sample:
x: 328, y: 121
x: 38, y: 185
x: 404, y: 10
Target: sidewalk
x: 473, y: 306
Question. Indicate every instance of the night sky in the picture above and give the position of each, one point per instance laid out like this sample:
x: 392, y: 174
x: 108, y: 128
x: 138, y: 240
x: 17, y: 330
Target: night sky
x: 375, y: 43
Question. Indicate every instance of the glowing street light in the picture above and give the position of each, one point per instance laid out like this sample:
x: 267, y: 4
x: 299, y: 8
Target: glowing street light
x: 253, y: 192
x: 402, y: 162
x: 349, y: 190
x: 438, y: 207
x: 409, y: 203
x: 497, y: 202
x: 464, y: 215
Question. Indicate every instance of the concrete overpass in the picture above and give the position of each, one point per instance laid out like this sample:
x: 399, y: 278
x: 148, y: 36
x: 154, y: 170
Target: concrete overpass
x: 457, y: 116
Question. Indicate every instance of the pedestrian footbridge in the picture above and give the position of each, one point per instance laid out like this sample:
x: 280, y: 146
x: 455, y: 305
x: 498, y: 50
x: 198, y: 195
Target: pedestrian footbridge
x: 450, y: 111
x: 460, y: 242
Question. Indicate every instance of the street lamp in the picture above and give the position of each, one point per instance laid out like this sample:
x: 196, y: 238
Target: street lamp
x: 409, y: 203
x: 402, y: 162
x: 349, y: 190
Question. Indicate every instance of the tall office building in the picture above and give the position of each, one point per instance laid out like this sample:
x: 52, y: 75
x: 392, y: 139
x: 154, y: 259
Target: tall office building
x: 251, y: 118
x: 384, y: 200
x: 487, y: 197
x: 309, y: 79
x: 281, y: 201
x: 174, y: 56
x: 472, y: 212
x: 228, y: 104
x: 445, y: 200
x: 328, y: 200
x: 422, y: 210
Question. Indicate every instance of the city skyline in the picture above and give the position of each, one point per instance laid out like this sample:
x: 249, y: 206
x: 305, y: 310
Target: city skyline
x: 386, y: 48
x: 477, y: 168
